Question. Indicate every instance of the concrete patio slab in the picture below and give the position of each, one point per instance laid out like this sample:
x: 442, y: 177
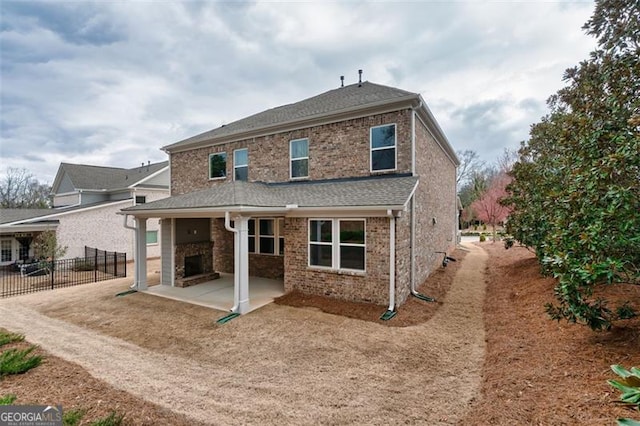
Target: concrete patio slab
x: 218, y: 294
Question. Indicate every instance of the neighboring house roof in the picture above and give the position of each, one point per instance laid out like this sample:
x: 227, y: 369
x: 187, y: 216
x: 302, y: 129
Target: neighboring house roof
x: 376, y: 191
x: 14, y: 215
x: 99, y: 178
x: 10, y: 217
x: 335, y: 104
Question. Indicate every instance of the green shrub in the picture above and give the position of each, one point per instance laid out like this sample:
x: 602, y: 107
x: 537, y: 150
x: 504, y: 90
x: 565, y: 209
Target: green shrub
x: 483, y: 238
x: 113, y: 419
x: 629, y: 385
x: 73, y: 417
x: 7, y: 337
x: 484, y: 226
x: 18, y: 361
x: 7, y: 399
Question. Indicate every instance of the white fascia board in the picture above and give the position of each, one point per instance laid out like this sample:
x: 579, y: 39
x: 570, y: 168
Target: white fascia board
x: 66, y: 212
x: 289, y: 126
x: 28, y: 227
x: 345, y: 211
x: 149, y: 177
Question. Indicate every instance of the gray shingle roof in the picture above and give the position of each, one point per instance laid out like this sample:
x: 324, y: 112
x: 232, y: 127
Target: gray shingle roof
x: 85, y: 176
x: 333, y: 101
x: 389, y: 190
x: 18, y: 215
x: 13, y: 215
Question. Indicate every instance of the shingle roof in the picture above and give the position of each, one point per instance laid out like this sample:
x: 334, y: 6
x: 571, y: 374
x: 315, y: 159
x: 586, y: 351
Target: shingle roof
x: 85, y: 176
x: 13, y: 215
x: 389, y: 190
x: 333, y: 101
x: 17, y: 215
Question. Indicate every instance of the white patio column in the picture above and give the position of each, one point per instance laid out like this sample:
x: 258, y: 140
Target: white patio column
x: 241, y: 265
x: 140, y: 255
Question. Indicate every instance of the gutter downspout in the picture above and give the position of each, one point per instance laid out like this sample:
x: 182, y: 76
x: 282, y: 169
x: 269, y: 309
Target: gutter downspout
x: 236, y: 250
x: 135, y: 270
x: 391, y: 312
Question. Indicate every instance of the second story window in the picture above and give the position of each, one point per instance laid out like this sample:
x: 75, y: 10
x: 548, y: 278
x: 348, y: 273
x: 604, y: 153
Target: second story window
x: 299, y: 155
x: 141, y: 199
x: 218, y: 165
x: 383, y: 148
x: 241, y: 164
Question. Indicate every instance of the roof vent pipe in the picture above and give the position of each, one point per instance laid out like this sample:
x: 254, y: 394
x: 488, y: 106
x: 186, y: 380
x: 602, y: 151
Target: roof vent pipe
x: 359, y: 78
x: 342, y: 81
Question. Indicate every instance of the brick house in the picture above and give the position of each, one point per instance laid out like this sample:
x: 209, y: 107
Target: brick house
x: 348, y: 194
x: 86, y: 200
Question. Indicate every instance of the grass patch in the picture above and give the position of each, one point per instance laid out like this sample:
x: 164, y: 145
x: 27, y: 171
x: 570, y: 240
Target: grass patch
x: 7, y: 337
x: 18, y: 361
x: 7, y: 399
x: 113, y: 419
x: 73, y: 417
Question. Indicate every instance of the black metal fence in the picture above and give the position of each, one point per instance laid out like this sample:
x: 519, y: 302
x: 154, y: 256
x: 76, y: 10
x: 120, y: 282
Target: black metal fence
x: 97, y: 265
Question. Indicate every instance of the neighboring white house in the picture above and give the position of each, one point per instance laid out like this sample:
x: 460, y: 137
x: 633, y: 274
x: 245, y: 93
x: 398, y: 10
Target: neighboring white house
x: 85, y: 202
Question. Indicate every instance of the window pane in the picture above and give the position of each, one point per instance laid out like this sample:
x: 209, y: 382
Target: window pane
x: 266, y: 226
x: 281, y: 247
x: 384, y: 159
x: 383, y: 136
x: 267, y: 245
x: 352, y: 231
x: 352, y: 257
x: 240, y: 157
x: 300, y: 148
x: 152, y: 237
x: 320, y: 255
x: 242, y: 173
x: 320, y: 230
x: 252, y: 227
x: 6, y: 251
x: 252, y: 244
x: 141, y: 199
x: 299, y: 168
x: 281, y: 227
x: 218, y: 165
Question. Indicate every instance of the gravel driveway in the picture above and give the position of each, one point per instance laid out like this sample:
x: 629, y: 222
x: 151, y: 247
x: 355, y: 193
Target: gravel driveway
x: 277, y: 365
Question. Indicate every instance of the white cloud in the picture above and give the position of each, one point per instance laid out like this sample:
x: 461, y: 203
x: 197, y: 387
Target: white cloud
x: 110, y: 83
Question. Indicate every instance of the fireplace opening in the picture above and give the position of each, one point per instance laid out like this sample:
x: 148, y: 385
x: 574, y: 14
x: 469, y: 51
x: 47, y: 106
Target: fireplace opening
x: 193, y: 265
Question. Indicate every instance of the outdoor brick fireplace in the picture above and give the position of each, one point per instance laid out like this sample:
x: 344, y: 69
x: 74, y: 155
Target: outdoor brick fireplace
x: 194, y: 263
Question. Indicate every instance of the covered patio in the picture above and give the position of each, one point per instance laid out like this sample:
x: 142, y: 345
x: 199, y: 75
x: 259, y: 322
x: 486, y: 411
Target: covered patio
x: 219, y: 293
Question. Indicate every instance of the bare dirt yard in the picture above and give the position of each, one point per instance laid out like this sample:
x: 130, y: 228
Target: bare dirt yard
x: 279, y: 364
x: 468, y: 359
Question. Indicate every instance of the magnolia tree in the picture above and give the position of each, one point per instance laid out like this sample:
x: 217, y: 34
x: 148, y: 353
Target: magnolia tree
x: 576, y: 189
x: 488, y: 207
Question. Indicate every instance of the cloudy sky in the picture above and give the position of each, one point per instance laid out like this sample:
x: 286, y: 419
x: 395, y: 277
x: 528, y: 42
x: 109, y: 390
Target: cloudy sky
x: 109, y: 83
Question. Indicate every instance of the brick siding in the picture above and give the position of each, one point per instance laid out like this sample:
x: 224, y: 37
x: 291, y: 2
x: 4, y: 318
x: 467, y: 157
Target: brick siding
x: 336, y: 150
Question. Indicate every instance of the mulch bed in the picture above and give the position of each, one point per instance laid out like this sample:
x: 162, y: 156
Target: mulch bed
x: 414, y: 311
x: 542, y: 372
x: 59, y: 382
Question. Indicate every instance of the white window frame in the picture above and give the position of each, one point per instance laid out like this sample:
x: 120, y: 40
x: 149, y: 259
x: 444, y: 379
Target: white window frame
x: 147, y: 237
x: 236, y: 166
x: 276, y: 236
x: 336, y: 244
x: 3, y: 241
x: 292, y: 159
x: 225, y: 165
x: 394, y: 147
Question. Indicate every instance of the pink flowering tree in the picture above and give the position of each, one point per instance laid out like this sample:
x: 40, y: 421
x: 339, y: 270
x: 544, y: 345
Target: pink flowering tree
x: 488, y: 208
